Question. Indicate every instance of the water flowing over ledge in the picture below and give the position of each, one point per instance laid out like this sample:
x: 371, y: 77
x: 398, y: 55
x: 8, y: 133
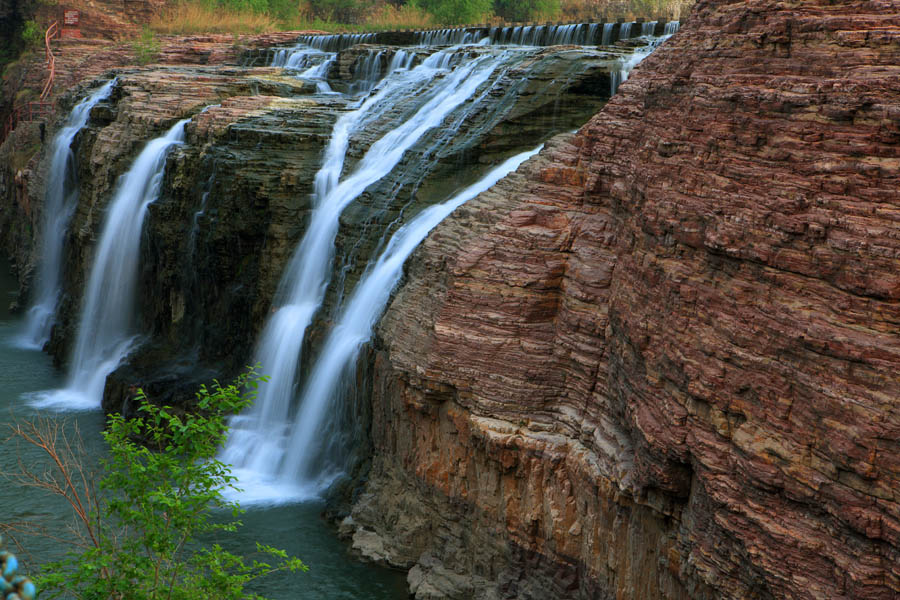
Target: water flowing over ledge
x: 403, y: 119
x: 60, y: 199
x: 106, y: 332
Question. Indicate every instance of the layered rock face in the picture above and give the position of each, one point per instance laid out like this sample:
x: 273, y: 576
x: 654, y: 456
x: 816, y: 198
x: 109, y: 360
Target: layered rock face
x: 662, y: 360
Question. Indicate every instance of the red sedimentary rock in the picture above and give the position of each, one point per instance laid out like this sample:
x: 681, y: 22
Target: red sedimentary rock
x: 663, y: 360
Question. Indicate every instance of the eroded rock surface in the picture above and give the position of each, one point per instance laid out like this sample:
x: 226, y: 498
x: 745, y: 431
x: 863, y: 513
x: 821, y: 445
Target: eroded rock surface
x: 662, y: 360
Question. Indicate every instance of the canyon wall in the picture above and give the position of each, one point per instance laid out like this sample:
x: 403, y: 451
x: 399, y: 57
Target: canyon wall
x: 661, y: 361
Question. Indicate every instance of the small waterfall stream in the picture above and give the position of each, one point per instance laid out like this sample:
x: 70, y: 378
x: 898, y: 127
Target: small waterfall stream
x: 404, y: 113
x: 60, y: 200
x: 292, y: 444
x: 105, y: 330
x: 308, y: 460
x: 254, y: 448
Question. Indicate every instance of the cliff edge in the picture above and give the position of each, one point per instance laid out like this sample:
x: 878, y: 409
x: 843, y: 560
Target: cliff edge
x: 661, y: 361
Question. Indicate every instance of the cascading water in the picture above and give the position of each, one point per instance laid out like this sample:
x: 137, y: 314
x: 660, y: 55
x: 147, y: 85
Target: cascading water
x: 671, y: 28
x: 606, y: 36
x: 367, y: 72
x: 581, y: 34
x: 445, y: 37
x: 254, y: 447
x: 283, y: 449
x: 308, y: 459
x: 616, y: 78
x: 335, y: 42
x: 59, y: 202
x: 106, y: 331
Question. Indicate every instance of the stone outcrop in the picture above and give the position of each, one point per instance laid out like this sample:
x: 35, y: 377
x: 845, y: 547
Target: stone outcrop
x: 662, y: 360
x: 79, y: 62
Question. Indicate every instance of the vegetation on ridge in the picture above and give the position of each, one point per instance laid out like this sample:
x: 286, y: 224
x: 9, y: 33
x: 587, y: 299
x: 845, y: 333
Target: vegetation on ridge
x: 246, y: 16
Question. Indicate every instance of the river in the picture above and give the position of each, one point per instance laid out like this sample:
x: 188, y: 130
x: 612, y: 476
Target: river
x: 297, y: 528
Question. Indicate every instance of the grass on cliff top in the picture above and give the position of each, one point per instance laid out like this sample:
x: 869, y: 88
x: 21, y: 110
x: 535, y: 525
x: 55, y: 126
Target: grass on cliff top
x: 188, y: 18
x: 258, y: 16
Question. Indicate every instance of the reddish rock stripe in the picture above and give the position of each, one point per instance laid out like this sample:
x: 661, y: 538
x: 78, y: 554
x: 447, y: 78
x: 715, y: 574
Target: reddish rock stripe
x: 696, y: 302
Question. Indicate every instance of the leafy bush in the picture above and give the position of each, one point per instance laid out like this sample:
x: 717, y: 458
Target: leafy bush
x: 32, y: 34
x: 160, y: 484
x: 527, y: 10
x: 458, y: 12
x: 145, y: 47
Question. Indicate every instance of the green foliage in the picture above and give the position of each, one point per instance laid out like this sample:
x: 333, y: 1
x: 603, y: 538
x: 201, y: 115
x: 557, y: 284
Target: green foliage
x: 458, y: 12
x: 527, y: 10
x: 282, y: 9
x: 32, y: 34
x: 145, y: 47
x: 161, y: 482
x: 254, y: 6
x: 342, y: 11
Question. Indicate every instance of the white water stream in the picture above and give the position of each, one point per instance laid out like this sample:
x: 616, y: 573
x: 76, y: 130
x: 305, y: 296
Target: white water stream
x: 60, y: 200
x: 288, y: 446
x: 257, y: 445
x: 106, y: 330
x: 305, y: 462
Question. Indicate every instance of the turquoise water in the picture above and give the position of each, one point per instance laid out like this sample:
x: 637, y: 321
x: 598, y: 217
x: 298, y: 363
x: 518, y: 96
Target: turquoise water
x: 297, y: 528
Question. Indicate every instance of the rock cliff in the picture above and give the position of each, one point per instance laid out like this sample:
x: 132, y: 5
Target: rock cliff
x: 661, y: 361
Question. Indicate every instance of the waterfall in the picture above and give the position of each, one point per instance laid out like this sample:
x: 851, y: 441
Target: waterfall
x: 401, y: 60
x: 303, y: 467
x: 335, y: 42
x: 367, y: 72
x: 60, y: 200
x: 315, y: 420
x: 617, y: 77
x: 606, y: 37
x: 106, y: 331
x: 255, y: 444
x: 582, y: 34
x: 563, y: 35
x: 445, y: 37
x: 319, y: 74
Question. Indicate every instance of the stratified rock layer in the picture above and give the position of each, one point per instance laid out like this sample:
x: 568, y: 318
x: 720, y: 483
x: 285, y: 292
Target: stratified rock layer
x: 662, y: 360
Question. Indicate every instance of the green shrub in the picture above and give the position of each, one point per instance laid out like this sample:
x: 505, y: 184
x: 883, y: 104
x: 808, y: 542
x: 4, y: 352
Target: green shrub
x: 145, y: 47
x: 142, y: 529
x: 458, y: 12
x: 527, y: 10
x: 32, y: 34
